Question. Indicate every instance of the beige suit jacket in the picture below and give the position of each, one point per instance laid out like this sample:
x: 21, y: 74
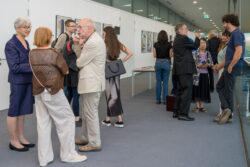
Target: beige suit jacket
x: 92, y: 65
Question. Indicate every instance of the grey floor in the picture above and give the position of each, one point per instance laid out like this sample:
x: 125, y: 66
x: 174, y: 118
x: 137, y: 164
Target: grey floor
x: 151, y: 137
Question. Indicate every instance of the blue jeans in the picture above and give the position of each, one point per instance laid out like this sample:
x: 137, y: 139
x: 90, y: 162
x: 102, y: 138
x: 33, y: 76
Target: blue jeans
x: 71, y: 93
x: 162, y: 70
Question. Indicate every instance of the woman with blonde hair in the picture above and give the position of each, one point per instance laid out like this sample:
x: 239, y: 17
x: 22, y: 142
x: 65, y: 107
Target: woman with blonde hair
x: 114, y: 106
x: 49, y: 67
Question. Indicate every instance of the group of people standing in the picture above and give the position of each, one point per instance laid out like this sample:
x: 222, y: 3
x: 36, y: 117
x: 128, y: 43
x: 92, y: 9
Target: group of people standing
x: 193, y: 67
x: 74, y: 70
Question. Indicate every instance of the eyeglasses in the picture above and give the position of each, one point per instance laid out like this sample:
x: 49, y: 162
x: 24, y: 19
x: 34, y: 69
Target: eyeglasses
x: 25, y: 27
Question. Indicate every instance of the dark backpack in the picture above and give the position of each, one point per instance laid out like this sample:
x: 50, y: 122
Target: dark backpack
x: 53, y: 44
x: 69, y: 55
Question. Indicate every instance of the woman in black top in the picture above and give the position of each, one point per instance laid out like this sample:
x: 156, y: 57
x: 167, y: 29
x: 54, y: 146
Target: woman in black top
x: 162, y: 51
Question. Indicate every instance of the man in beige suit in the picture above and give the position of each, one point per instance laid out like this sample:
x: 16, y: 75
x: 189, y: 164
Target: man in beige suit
x: 91, y: 63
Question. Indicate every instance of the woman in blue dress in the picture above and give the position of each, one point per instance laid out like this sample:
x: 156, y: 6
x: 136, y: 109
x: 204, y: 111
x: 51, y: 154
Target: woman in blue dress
x: 20, y: 79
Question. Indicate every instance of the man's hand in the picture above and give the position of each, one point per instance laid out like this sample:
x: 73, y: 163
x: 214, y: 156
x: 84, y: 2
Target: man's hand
x: 215, y: 68
x: 229, y: 69
x: 76, y: 39
x: 81, y: 42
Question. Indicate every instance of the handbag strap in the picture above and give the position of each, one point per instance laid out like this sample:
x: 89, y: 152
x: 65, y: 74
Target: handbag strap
x: 35, y: 74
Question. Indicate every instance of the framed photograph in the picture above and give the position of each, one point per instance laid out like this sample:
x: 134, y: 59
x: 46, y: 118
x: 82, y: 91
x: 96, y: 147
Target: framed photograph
x: 155, y: 36
x: 149, y: 42
x: 60, y: 20
x: 143, y: 41
x: 98, y: 27
x: 106, y: 25
x: 117, y: 30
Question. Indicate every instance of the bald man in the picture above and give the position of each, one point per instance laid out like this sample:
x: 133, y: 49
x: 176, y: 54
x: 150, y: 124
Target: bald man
x: 91, y: 63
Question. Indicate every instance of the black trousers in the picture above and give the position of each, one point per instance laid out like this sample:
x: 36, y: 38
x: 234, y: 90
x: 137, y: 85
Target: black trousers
x: 184, y: 94
x: 211, y: 79
x: 225, y: 88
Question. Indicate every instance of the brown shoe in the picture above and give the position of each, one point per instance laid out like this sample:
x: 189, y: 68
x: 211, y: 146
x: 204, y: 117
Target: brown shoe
x: 225, y: 116
x: 88, y: 147
x: 81, y: 142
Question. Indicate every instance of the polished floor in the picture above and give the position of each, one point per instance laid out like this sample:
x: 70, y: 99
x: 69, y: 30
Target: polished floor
x: 151, y: 137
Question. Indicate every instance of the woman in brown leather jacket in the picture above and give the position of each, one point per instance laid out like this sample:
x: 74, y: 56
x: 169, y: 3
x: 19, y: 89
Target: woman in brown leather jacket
x: 49, y: 67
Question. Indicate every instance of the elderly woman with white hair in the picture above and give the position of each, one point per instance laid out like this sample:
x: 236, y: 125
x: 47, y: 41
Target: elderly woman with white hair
x: 20, y: 79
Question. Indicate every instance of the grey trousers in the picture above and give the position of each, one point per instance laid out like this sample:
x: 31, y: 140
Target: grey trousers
x: 55, y: 107
x: 225, y: 88
x: 90, y: 118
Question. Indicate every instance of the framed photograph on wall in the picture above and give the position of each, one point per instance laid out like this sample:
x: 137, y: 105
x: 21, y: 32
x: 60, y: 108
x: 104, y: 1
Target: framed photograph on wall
x: 98, y: 27
x: 149, y: 42
x: 60, y: 20
x: 155, y: 36
x: 106, y: 25
x: 143, y: 41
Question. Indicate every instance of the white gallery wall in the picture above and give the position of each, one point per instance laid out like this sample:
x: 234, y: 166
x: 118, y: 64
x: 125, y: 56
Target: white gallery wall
x: 9, y: 11
x: 43, y: 13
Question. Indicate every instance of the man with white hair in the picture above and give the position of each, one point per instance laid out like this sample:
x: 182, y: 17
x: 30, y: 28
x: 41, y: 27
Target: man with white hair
x: 213, y: 45
x: 91, y: 83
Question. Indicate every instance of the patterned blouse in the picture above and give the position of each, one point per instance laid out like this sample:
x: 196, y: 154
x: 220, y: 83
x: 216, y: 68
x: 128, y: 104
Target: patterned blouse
x: 198, y: 61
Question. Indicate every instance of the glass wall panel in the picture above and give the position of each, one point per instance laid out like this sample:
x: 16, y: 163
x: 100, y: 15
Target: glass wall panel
x: 106, y: 2
x: 140, y: 7
x: 164, y: 14
x: 153, y: 9
x: 123, y: 4
x: 242, y: 89
x: 177, y: 19
x: 171, y: 17
x: 149, y: 8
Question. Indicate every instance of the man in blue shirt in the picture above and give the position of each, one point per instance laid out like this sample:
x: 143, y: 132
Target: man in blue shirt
x: 232, y: 61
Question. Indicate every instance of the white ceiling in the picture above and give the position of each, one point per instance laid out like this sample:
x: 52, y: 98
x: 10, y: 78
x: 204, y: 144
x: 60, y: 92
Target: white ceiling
x: 216, y: 9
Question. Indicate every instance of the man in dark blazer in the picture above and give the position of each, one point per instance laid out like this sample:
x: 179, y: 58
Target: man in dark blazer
x: 184, y: 68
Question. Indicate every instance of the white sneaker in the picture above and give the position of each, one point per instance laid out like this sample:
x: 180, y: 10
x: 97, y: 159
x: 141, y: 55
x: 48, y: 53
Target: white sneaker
x: 78, y: 158
x: 43, y: 165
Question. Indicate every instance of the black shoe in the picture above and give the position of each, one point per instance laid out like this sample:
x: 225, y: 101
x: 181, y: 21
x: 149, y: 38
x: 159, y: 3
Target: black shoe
x: 158, y: 102
x: 175, y: 115
x: 28, y: 145
x: 24, y: 149
x: 107, y: 123
x: 185, y: 118
x: 119, y: 124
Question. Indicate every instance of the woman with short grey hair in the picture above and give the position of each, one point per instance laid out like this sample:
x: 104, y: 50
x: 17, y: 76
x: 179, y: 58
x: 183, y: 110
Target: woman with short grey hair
x: 20, y: 79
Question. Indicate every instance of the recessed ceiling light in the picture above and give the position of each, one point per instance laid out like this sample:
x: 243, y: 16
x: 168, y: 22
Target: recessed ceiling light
x: 204, y: 13
x: 195, y: 2
x: 213, y: 23
x: 210, y: 20
x: 127, y: 5
x: 139, y: 10
x: 200, y: 8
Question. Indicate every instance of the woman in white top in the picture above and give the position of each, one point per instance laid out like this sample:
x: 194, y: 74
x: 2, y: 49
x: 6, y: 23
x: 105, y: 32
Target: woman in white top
x: 221, y: 55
